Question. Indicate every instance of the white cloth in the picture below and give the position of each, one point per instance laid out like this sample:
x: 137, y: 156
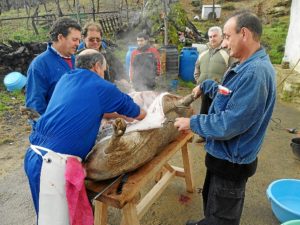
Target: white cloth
x: 53, y: 206
x: 155, y: 117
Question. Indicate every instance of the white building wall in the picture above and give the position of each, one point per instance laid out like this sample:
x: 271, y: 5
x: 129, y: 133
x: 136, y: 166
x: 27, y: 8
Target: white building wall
x: 292, y: 46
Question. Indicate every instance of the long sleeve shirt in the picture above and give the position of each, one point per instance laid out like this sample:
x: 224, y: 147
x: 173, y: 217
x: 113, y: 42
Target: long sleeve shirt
x: 238, y: 117
x: 43, y: 74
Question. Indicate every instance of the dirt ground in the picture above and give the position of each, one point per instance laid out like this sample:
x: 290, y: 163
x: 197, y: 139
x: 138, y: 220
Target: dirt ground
x: 175, y: 205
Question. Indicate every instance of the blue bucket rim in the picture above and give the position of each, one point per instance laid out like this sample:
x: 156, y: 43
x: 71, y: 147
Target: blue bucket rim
x: 272, y: 198
x: 290, y: 221
x: 20, y: 83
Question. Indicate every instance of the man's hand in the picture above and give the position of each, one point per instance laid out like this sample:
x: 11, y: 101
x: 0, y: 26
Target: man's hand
x: 197, y: 91
x: 182, y: 124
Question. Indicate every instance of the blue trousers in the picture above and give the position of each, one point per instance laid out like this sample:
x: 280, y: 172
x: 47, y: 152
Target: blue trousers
x: 223, y: 200
x: 32, y: 166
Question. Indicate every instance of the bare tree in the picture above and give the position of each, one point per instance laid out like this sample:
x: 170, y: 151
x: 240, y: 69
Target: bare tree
x: 93, y: 9
x: 34, y: 15
x: 98, y: 6
x: 78, y: 11
x: 43, y: 2
x: 8, y: 5
x: 59, y: 11
x: 69, y: 6
x: 27, y: 7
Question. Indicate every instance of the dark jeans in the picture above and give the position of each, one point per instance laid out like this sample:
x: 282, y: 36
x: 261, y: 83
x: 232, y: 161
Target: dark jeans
x: 205, y: 104
x: 223, y: 200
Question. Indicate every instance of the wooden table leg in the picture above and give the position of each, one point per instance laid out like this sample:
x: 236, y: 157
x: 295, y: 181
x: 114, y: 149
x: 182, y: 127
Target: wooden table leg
x: 100, y: 213
x: 130, y: 216
x: 187, y: 169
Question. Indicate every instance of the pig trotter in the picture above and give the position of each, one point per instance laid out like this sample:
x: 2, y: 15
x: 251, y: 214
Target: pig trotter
x: 119, y: 126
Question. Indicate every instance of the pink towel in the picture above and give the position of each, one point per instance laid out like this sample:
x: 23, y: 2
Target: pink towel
x: 80, y: 210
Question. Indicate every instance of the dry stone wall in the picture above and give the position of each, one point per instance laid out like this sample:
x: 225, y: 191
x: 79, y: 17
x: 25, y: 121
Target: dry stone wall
x: 16, y: 56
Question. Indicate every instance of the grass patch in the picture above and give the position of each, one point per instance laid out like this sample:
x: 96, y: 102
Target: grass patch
x: 273, y: 38
x: 187, y: 84
x: 9, y: 99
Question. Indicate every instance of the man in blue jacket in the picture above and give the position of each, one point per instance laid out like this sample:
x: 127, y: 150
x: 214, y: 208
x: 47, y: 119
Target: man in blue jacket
x: 68, y: 129
x: 236, y: 123
x: 48, y: 67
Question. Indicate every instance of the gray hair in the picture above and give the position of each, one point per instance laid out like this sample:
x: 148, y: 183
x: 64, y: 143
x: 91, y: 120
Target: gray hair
x: 216, y: 29
x: 88, y: 58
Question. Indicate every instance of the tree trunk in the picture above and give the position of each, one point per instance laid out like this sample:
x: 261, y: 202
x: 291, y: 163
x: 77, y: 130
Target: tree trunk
x: 43, y: 2
x: 93, y: 9
x: 8, y: 5
x: 27, y: 9
x: 60, y: 14
x: 69, y: 6
x: 98, y: 6
x: 35, y: 14
x: 78, y: 11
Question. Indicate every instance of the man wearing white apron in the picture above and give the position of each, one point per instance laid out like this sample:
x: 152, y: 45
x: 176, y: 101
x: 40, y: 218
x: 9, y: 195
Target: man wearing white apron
x: 65, y: 133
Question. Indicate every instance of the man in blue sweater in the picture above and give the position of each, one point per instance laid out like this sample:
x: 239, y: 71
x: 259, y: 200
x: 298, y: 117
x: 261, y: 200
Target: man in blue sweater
x: 68, y: 129
x: 48, y: 67
x: 236, y: 123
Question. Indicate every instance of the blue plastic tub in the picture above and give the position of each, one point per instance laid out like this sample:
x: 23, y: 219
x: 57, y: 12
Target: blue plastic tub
x: 14, y: 81
x: 187, y: 59
x: 284, y: 195
x: 292, y: 222
x: 128, y: 57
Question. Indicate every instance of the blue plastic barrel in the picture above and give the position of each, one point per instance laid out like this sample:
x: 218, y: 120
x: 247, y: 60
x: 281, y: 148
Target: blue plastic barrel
x: 187, y: 60
x: 14, y: 81
x: 128, y: 56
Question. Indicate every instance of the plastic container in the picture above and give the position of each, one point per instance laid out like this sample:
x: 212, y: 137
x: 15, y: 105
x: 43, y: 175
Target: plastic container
x: 128, y: 56
x: 173, y: 85
x: 295, y: 144
x: 200, y: 47
x: 292, y: 222
x: 171, y: 61
x: 284, y: 196
x: 187, y: 60
x: 14, y: 81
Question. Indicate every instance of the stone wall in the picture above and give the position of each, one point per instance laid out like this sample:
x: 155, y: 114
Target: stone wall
x: 16, y: 56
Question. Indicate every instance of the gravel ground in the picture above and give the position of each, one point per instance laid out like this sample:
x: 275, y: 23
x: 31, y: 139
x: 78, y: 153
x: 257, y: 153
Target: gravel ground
x: 175, y: 206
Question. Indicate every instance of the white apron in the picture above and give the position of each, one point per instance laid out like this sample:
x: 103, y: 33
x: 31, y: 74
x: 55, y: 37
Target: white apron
x: 53, y: 205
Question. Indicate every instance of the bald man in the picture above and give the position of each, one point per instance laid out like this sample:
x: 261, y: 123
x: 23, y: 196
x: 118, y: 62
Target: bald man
x: 68, y: 129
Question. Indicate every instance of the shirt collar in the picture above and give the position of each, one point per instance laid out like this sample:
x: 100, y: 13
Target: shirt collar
x: 54, y: 49
x: 236, y: 67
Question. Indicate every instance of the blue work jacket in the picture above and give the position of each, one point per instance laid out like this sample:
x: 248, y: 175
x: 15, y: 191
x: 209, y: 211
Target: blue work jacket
x: 71, y: 122
x: 238, y: 117
x: 43, y: 74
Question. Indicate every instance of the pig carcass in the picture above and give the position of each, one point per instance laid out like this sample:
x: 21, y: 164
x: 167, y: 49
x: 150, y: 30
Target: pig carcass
x: 125, y: 151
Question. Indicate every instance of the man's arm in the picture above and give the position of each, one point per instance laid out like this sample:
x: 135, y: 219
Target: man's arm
x: 245, y: 106
x: 36, y: 90
x: 157, y: 56
x: 133, y: 54
x: 115, y: 115
x: 142, y: 114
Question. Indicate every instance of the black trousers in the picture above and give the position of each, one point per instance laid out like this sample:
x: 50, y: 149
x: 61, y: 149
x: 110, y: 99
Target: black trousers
x: 223, y: 200
x: 205, y: 104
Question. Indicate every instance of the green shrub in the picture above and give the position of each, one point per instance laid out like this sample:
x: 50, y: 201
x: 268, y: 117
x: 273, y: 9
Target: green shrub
x: 273, y: 38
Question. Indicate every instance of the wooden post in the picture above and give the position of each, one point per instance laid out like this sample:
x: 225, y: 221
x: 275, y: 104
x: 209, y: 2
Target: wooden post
x: 187, y: 169
x: 100, y: 213
x: 165, y: 23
